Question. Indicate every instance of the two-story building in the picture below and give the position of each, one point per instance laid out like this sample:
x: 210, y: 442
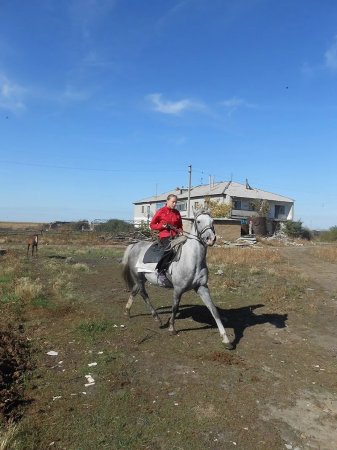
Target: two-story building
x: 241, y: 198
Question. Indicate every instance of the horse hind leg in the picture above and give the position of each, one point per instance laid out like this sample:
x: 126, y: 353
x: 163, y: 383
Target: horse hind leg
x: 147, y: 301
x: 131, y: 298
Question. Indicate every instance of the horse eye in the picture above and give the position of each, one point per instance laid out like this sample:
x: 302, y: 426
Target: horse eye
x: 198, y: 221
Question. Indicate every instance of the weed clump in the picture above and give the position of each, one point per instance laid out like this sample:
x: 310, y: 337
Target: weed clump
x: 14, y: 363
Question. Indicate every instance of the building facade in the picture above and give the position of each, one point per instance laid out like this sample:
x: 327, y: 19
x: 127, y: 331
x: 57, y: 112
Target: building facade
x: 241, y: 197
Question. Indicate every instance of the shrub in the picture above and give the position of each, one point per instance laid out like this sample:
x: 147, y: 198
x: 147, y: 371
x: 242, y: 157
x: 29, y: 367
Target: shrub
x: 80, y: 225
x: 115, y: 226
x: 218, y: 209
x: 295, y: 229
x: 329, y: 235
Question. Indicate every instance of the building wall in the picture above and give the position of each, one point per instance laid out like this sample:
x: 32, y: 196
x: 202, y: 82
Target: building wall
x: 145, y: 212
x: 225, y: 229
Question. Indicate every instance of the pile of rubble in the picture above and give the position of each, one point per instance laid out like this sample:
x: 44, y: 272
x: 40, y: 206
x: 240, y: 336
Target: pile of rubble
x: 284, y: 239
x: 250, y: 239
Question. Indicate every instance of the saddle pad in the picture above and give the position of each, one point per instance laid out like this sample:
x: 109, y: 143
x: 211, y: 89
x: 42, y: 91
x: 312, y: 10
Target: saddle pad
x: 142, y: 267
x: 154, y: 253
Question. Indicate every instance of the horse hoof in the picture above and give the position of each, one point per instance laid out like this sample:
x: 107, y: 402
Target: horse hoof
x: 173, y: 332
x: 230, y: 346
x: 127, y: 313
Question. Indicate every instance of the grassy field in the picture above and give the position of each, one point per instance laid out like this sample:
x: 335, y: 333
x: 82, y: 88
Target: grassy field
x: 114, y: 383
x: 19, y: 226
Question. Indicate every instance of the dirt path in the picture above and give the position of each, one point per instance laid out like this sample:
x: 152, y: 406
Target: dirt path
x: 320, y: 272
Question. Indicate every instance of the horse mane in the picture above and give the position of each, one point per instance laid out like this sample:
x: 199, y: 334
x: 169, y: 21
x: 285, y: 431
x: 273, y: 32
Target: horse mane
x: 202, y: 210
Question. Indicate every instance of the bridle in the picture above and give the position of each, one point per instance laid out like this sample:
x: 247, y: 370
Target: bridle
x: 198, y: 237
x: 200, y: 233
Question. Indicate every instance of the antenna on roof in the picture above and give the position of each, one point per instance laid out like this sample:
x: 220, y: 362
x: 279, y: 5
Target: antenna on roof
x: 248, y: 185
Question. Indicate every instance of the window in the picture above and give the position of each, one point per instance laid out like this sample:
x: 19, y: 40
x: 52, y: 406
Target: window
x: 236, y: 204
x: 143, y: 209
x: 279, y: 211
x: 181, y: 206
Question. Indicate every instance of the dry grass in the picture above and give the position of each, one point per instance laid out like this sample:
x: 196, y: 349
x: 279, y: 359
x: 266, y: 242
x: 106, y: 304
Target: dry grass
x: 21, y: 225
x: 244, y: 256
x: 7, y: 436
x: 26, y: 289
x: 81, y: 267
x: 328, y: 253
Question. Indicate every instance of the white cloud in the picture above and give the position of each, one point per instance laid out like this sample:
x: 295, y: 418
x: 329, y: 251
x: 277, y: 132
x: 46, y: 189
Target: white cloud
x: 234, y: 103
x: 330, y: 56
x: 14, y: 97
x: 72, y: 95
x: 11, y: 95
x: 174, y: 108
x: 88, y: 13
x: 237, y: 103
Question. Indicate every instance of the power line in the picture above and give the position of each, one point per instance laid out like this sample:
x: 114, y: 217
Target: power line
x: 92, y: 169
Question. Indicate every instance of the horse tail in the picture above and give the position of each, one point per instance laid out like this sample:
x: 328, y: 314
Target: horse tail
x: 127, y: 276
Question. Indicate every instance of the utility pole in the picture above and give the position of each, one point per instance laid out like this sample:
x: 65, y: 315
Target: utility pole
x: 189, y: 191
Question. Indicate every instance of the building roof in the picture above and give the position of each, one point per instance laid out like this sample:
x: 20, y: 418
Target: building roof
x: 231, y: 188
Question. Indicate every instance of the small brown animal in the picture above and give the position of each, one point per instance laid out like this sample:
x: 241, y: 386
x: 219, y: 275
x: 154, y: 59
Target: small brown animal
x: 33, y: 241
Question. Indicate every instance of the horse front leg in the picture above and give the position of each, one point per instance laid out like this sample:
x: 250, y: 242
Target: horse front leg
x: 175, y: 306
x: 203, y: 291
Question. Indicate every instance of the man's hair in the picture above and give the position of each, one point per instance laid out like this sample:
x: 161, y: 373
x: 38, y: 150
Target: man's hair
x: 171, y: 196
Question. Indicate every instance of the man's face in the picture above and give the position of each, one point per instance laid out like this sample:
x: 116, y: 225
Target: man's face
x: 171, y: 203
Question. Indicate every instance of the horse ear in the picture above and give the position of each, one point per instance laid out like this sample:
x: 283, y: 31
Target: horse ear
x: 194, y: 211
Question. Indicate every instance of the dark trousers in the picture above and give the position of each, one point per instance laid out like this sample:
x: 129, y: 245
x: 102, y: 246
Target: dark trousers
x: 167, y: 257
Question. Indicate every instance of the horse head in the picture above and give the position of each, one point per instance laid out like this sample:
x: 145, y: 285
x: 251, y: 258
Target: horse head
x: 203, y: 223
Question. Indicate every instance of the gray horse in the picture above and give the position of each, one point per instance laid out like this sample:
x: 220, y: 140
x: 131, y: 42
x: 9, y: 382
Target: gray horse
x: 189, y: 272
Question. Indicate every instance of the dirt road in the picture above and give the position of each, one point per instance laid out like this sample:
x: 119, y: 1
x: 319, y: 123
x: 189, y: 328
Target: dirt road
x: 322, y: 273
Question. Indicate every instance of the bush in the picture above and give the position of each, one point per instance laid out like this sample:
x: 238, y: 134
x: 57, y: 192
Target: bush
x: 294, y: 229
x: 115, y: 226
x: 218, y: 209
x: 330, y: 235
x: 80, y: 225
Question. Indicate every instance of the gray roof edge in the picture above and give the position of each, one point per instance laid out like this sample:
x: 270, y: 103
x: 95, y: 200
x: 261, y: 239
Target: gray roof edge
x: 215, y: 191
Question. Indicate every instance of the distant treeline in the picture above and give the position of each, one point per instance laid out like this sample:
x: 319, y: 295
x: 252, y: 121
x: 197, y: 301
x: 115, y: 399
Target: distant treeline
x: 330, y: 235
x: 115, y: 226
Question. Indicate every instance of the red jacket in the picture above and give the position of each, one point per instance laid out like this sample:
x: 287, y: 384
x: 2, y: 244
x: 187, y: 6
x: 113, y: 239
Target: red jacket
x: 163, y: 216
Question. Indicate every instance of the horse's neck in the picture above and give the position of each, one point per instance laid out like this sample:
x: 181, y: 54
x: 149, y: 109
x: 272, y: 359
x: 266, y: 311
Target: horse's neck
x: 193, y: 242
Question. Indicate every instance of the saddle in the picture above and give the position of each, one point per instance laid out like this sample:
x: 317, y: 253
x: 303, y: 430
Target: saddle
x: 156, y: 253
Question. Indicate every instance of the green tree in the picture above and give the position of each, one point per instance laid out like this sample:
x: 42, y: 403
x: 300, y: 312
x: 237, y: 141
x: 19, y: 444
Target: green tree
x: 295, y: 229
x: 260, y: 206
x: 115, y: 226
x: 329, y: 235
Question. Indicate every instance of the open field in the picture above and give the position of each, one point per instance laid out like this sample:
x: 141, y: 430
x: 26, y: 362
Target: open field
x: 276, y: 390
x: 20, y: 226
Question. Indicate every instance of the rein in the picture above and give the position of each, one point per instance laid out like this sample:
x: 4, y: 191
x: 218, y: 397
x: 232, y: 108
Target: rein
x: 198, y: 237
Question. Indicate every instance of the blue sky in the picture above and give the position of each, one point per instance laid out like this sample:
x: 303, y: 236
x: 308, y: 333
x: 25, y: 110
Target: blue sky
x: 104, y: 102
